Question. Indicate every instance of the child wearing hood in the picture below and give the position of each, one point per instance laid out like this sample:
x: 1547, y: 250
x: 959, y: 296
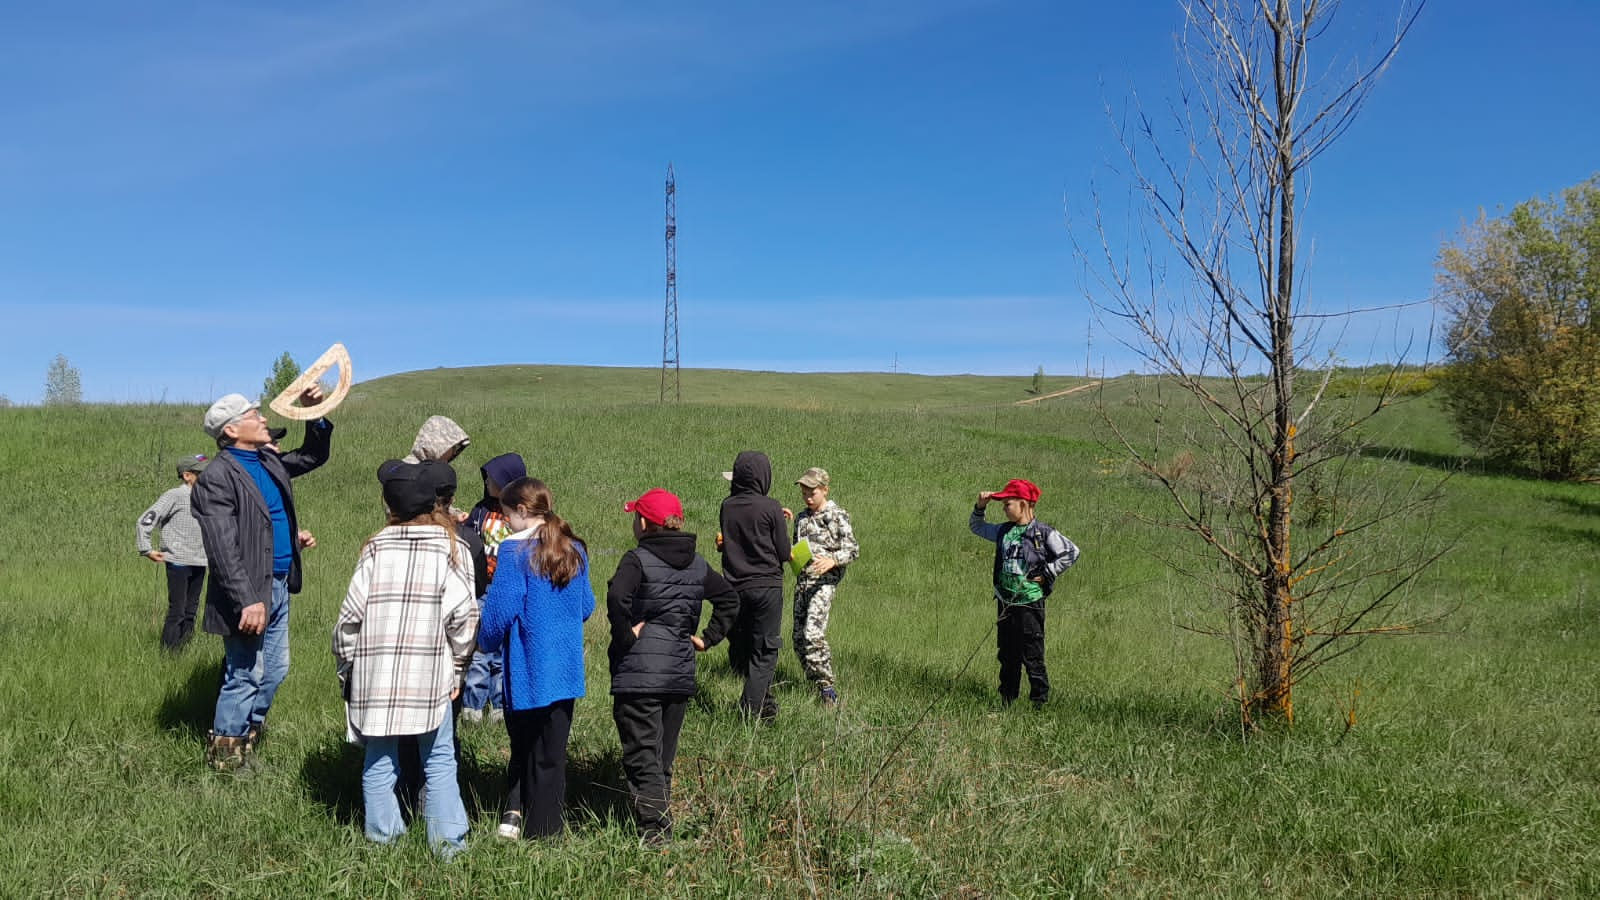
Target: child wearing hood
x: 485, y: 677
x: 439, y: 438
x: 755, y: 547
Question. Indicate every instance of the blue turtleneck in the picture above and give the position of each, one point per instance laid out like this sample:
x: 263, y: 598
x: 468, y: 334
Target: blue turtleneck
x: 282, y: 540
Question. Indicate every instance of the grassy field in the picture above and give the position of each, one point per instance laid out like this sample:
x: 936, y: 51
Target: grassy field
x: 1473, y: 767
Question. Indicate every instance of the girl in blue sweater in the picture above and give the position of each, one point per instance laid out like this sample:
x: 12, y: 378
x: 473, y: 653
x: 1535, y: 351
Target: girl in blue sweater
x: 534, y: 614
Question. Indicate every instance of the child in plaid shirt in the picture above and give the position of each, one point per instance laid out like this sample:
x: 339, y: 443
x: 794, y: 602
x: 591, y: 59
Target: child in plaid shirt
x: 405, y: 632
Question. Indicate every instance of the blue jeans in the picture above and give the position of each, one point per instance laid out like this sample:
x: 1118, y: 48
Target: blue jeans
x: 253, y: 665
x: 485, y: 681
x: 443, y: 810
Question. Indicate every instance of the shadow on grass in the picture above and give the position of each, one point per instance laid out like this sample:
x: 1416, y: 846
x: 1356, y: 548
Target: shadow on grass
x: 1444, y: 462
x: 331, y: 775
x: 1576, y: 506
x: 190, y: 707
x: 920, y: 685
x: 596, y: 787
x: 1574, y: 535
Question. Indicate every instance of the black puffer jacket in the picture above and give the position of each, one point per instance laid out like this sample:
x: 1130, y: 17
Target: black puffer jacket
x: 662, y: 584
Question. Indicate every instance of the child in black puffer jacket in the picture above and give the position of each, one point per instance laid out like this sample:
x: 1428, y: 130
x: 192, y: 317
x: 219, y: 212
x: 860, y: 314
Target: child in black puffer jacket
x: 653, y: 603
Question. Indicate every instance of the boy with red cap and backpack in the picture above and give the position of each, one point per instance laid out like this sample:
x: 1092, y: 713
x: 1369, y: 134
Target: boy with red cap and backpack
x: 1028, y: 557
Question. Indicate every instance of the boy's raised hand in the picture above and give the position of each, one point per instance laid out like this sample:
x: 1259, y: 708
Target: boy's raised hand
x: 984, y: 497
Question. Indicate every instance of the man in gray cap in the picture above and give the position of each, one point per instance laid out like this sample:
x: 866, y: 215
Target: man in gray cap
x: 180, y: 550
x: 245, y: 506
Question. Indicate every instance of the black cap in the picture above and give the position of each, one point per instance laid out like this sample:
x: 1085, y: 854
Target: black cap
x: 411, y: 489
x: 277, y: 434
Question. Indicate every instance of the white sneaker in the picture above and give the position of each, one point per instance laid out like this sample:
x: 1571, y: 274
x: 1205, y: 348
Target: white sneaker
x: 510, y: 827
x: 496, y: 714
x: 472, y: 715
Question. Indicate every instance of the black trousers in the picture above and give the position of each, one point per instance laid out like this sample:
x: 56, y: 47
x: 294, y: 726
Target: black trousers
x: 1020, y: 634
x: 536, y: 777
x: 759, y: 631
x: 648, y: 727
x: 183, y: 602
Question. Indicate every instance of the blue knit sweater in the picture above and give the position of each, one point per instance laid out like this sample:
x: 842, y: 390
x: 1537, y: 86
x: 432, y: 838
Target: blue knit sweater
x: 538, y: 626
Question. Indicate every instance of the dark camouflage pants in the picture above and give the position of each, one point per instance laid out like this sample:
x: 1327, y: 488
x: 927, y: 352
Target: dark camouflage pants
x: 812, y: 602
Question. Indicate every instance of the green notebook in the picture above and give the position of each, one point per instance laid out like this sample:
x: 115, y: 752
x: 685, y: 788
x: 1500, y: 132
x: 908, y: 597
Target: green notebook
x: 800, y: 557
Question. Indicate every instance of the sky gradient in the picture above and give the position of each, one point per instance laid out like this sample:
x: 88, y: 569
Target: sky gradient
x: 190, y: 189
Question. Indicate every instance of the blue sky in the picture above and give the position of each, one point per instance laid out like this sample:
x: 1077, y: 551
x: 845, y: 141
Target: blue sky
x: 189, y: 189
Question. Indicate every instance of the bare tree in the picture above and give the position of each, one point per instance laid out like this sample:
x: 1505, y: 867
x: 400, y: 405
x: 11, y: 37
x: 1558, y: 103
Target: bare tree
x: 1219, y: 199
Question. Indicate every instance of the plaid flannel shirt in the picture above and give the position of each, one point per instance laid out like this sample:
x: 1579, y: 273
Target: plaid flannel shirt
x: 406, y: 630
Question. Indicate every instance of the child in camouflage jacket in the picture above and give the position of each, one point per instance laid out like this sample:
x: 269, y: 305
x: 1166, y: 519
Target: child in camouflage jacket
x: 825, y: 527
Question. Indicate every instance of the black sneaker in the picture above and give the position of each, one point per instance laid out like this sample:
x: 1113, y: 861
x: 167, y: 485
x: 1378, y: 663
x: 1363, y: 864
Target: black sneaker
x: 510, y: 826
x: 828, y: 696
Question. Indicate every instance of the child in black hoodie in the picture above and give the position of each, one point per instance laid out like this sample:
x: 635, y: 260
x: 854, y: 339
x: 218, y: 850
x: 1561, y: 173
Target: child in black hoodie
x: 485, y: 682
x: 653, y: 604
x: 755, y: 546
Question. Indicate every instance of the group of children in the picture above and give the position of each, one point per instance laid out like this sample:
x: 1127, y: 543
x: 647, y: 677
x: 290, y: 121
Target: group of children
x: 443, y: 603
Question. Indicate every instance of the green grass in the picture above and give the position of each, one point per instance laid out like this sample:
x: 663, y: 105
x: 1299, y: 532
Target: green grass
x: 1473, y: 767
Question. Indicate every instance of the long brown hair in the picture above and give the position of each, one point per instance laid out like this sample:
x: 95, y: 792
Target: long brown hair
x: 557, y: 555
x: 431, y: 517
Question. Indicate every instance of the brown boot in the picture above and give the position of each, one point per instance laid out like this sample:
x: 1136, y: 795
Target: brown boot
x: 225, y: 753
x: 254, y: 737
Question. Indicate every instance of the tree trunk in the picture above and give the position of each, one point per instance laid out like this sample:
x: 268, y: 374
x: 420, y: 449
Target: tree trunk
x: 1274, y: 692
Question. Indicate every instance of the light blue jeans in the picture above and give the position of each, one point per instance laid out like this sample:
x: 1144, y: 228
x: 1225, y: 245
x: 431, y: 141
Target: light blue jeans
x: 485, y: 681
x: 253, y: 666
x: 442, y: 810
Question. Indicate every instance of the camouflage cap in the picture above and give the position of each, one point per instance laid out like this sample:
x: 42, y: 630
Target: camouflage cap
x: 814, y: 477
x: 195, y: 464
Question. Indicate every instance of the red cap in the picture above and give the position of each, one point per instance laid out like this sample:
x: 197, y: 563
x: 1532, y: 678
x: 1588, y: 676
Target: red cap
x: 1020, y: 488
x: 656, y: 505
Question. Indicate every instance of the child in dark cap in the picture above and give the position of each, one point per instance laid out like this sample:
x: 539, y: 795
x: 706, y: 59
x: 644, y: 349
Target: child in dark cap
x: 405, y: 632
x: 1028, y: 556
x: 181, y: 550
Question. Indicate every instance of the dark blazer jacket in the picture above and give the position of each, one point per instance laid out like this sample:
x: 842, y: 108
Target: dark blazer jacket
x: 237, y: 530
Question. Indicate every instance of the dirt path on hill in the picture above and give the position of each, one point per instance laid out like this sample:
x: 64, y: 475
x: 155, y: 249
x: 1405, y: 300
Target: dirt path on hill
x: 1070, y: 390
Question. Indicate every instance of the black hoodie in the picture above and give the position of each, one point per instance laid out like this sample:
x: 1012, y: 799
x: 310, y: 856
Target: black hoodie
x: 755, y: 539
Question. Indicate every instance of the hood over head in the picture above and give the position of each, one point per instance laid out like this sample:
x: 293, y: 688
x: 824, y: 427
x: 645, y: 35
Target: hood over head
x: 504, y: 469
x: 436, y: 438
x: 752, y: 473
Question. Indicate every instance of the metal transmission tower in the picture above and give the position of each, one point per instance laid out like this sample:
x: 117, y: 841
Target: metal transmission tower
x: 669, y: 332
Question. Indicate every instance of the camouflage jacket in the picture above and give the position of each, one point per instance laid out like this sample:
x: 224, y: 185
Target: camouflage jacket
x: 828, y: 532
